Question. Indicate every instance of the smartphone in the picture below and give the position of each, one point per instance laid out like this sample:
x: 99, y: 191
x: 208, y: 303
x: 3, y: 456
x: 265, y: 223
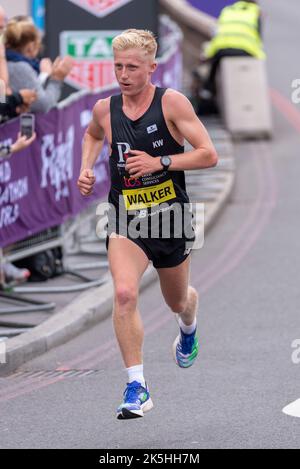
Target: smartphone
x: 27, y: 124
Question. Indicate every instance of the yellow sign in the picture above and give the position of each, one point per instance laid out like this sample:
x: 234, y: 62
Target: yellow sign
x: 137, y: 199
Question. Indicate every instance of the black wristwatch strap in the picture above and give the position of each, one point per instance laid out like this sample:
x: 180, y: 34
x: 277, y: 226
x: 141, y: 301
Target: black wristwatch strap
x: 166, y: 167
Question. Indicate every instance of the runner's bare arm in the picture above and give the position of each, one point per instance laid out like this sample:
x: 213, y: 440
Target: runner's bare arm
x: 92, y: 145
x: 179, y: 111
x: 94, y: 137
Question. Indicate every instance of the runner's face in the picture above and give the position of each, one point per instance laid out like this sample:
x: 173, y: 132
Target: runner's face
x: 133, y: 69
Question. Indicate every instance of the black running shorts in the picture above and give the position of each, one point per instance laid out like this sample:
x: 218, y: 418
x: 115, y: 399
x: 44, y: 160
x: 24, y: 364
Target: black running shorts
x: 163, y: 253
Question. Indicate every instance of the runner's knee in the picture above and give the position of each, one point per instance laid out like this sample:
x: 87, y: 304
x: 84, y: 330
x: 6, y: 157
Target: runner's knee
x: 126, y: 297
x: 178, y: 306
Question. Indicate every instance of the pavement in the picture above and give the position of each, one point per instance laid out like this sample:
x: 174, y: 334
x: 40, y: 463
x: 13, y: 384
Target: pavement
x: 77, y: 313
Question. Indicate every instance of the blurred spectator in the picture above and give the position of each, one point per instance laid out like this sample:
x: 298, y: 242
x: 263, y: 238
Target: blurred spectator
x: 8, y: 272
x: 238, y: 34
x: 3, y: 68
x: 14, y: 103
x: 23, y: 42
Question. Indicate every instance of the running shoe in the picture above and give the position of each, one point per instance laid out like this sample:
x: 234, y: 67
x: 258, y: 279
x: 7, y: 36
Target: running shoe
x: 136, y: 401
x: 185, y: 349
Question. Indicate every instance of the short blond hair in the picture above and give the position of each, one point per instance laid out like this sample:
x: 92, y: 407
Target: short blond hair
x: 136, y: 39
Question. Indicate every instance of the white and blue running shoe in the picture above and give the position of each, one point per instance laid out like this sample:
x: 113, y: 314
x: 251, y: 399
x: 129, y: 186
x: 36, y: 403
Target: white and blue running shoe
x: 136, y: 401
x: 185, y: 349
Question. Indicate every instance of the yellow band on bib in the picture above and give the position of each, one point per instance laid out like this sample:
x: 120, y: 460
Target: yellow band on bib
x: 137, y: 199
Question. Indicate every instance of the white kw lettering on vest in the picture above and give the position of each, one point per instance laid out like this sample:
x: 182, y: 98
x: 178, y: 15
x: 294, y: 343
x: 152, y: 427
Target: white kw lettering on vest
x: 123, y: 148
x: 158, y: 143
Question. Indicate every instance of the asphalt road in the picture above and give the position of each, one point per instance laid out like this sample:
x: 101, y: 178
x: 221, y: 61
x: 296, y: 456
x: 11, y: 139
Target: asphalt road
x: 247, y: 277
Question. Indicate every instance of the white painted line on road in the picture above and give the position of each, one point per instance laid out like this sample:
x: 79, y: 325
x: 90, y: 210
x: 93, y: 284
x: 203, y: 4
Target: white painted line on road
x: 292, y: 409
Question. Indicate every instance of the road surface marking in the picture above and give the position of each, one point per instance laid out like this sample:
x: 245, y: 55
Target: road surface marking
x: 292, y: 409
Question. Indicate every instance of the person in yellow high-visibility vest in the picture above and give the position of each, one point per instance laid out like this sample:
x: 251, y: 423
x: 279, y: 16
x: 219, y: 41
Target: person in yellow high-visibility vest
x: 238, y: 34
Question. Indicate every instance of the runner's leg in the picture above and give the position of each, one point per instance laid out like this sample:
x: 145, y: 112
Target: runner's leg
x: 179, y: 295
x: 127, y: 263
x: 183, y: 300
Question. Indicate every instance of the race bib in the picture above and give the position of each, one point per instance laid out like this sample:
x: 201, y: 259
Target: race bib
x: 137, y: 199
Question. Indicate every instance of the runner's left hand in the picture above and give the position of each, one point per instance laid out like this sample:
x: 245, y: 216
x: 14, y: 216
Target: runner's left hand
x: 142, y: 163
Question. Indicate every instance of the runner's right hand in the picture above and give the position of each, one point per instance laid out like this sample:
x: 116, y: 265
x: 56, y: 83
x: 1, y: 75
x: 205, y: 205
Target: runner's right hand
x: 86, y: 182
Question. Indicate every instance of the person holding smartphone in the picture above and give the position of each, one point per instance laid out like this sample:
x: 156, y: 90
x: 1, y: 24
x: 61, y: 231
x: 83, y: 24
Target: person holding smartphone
x: 20, y: 144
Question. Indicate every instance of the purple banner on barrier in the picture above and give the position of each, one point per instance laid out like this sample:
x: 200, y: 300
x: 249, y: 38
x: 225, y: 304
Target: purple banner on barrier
x: 38, y: 187
x: 213, y: 7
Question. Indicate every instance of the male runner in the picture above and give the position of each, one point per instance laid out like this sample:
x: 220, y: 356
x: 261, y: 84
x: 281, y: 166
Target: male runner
x: 146, y: 127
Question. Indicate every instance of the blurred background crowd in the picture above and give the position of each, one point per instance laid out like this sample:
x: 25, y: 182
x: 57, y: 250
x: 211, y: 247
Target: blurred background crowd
x: 31, y: 83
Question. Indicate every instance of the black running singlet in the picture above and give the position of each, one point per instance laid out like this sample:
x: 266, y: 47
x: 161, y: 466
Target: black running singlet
x: 149, y: 133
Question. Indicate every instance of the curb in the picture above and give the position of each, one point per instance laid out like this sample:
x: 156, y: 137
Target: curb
x: 65, y: 325
x: 77, y: 316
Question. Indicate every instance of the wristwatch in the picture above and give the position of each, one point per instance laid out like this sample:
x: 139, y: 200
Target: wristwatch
x: 165, y: 162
